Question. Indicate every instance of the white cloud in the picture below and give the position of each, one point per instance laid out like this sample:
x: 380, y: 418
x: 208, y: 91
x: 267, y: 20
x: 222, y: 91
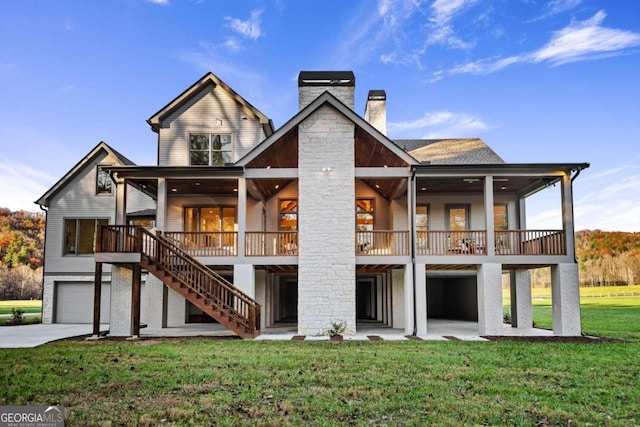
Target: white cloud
x: 439, y: 124
x: 22, y: 185
x: 251, y: 27
x: 160, y: 2
x: 233, y: 44
x: 555, y: 7
x: 579, y: 41
x: 443, y: 10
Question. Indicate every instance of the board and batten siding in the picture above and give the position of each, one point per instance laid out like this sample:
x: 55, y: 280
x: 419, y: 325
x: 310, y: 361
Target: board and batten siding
x: 78, y: 199
x: 211, y: 110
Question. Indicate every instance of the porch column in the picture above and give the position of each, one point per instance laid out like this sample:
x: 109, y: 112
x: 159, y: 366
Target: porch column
x: 244, y: 278
x: 156, y: 302
x: 421, y: 299
x: 490, y: 244
x: 121, y: 310
x: 176, y: 309
x: 97, y: 290
x: 522, y: 214
x: 121, y: 202
x: 490, y: 299
x: 520, y: 282
x: 408, y: 299
x: 565, y: 300
x: 161, y: 205
x: 135, y: 299
x: 567, y: 214
x: 242, y: 214
x: 398, y: 300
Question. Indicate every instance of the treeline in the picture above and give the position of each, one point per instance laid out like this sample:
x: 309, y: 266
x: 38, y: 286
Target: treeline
x: 608, y: 257
x: 21, y: 254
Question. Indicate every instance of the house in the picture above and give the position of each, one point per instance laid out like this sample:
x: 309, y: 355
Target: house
x: 322, y: 220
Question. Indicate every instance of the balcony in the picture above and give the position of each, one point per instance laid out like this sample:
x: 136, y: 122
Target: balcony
x: 206, y: 244
x: 271, y: 243
x: 379, y: 242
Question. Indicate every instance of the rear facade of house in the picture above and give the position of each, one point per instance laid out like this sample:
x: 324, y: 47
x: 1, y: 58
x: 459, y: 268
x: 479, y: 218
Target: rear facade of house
x: 325, y: 220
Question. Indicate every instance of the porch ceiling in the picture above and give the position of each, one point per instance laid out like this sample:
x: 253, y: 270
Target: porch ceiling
x: 475, y: 185
x: 223, y: 187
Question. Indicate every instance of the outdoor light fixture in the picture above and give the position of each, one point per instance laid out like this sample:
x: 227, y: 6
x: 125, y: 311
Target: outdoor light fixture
x: 327, y: 169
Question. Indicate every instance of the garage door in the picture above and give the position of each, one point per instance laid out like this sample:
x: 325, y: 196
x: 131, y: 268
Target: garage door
x: 74, y: 302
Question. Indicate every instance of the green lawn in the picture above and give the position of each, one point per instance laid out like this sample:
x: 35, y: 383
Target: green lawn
x: 198, y: 381
x: 26, y: 306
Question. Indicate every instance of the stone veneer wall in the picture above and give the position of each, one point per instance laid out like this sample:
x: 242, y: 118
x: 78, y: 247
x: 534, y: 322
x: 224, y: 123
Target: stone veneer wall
x: 306, y: 94
x: 326, y: 225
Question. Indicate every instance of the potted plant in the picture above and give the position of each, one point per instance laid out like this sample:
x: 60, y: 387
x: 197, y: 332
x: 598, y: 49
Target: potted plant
x: 336, y: 330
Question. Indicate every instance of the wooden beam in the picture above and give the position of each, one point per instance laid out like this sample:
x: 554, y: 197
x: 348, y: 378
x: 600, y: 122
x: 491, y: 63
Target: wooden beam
x: 135, y: 298
x: 97, y: 291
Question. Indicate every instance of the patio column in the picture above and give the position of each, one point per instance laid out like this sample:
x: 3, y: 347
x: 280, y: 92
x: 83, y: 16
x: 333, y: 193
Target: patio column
x: 421, y: 299
x: 520, y: 281
x: 121, y: 309
x: 488, y: 216
x: 242, y: 214
x: 408, y: 299
x: 97, y: 290
x: 490, y: 299
x: 161, y: 205
x: 567, y: 214
x: 135, y: 299
x: 565, y: 300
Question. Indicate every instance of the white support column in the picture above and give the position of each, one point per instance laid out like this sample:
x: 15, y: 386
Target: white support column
x: 408, y: 299
x: 421, y: 299
x: 522, y: 214
x: 490, y: 244
x: 520, y: 281
x: 490, y: 299
x: 565, y: 300
x: 261, y: 293
x: 120, y: 318
x: 244, y: 279
x: 155, y: 302
x: 242, y: 214
x: 121, y: 202
x: 567, y: 214
x: 398, y: 299
x: 161, y: 205
x: 176, y: 309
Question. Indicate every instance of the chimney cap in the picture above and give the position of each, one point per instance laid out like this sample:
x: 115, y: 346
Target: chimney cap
x: 326, y: 78
x: 377, y: 95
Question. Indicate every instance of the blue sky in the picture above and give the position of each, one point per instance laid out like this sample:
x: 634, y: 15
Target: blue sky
x: 539, y: 81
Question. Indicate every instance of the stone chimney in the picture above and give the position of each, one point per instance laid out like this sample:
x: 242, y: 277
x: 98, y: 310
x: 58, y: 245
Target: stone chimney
x: 312, y: 84
x: 375, y: 112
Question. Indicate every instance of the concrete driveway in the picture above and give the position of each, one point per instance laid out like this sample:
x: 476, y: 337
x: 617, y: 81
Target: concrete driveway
x: 26, y: 336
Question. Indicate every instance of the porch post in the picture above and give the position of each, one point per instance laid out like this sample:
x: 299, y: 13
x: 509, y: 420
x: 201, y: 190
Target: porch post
x: 135, y: 299
x: 242, y: 214
x: 490, y: 244
x: 567, y: 214
x: 520, y: 281
x: 121, y: 201
x: 421, y: 298
x: 161, y: 205
x: 490, y: 299
x: 565, y: 300
x: 97, y: 293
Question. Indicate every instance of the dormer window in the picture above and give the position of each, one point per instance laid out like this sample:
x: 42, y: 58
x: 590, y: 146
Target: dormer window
x: 209, y: 149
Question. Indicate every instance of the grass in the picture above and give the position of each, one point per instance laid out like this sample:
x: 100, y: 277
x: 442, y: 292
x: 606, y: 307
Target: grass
x: 29, y: 306
x: 233, y: 382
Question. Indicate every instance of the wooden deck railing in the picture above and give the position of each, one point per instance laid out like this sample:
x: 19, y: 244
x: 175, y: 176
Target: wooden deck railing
x: 379, y: 242
x: 443, y: 242
x: 271, y: 243
x: 118, y: 238
x: 530, y: 242
x: 217, y: 244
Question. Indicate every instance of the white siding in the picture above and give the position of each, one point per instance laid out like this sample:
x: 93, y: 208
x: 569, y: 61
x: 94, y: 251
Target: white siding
x: 212, y: 110
x: 137, y: 200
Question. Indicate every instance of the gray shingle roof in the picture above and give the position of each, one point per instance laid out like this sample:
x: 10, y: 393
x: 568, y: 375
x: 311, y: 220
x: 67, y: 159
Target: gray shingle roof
x: 450, y: 151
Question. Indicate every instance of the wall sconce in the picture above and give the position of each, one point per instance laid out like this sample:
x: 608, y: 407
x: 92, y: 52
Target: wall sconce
x: 327, y: 169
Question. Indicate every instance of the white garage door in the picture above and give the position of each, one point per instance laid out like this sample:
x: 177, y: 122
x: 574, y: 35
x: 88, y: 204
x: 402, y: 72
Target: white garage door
x: 74, y: 302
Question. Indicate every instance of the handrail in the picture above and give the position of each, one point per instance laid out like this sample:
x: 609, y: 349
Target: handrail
x: 206, y: 243
x: 382, y: 242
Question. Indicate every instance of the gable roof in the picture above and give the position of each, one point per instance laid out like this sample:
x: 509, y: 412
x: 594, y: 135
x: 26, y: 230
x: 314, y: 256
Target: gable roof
x: 204, y: 82
x: 75, y: 170
x: 450, y: 151
x: 327, y: 98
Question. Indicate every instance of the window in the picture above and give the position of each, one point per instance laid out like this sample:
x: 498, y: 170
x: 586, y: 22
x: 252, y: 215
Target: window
x: 208, y: 149
x: 365, y: 214
x: 422, y: 218
x: 103, y: 181
x: 210, y: 219
x: 288, y: 214
x: 80, y: 235
x: 458, y: 217
x: 500, y: 220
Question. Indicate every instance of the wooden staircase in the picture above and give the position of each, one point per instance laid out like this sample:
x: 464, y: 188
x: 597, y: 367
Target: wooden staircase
x: 201, y: 286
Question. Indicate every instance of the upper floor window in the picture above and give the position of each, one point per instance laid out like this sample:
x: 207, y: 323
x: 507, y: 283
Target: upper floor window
x: 80, y: 235
x: 209, y: 149
x: 422, y: 218
x: 500, y: 220
x: 365, y: 214
x: 457, y: 217
x: 104, y: 185
x: 288, y: 214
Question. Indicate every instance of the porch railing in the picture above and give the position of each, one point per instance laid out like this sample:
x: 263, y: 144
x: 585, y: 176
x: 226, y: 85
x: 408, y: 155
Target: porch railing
x: 530, y: 242
x: 216, y: 244
x: 444, y: 242
x: 379, y: 242
x: 271, y: 243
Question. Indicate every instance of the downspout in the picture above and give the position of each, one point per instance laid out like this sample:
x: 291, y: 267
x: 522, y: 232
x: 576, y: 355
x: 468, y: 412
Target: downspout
x: 44, y: 257
x: 412, y: 226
